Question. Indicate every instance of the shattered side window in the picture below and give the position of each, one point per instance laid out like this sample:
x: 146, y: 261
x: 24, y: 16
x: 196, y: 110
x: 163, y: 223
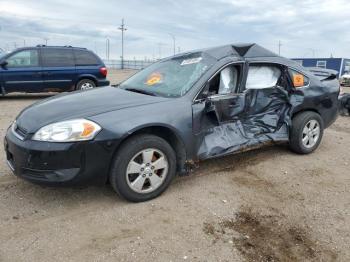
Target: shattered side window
x: 263, y: 76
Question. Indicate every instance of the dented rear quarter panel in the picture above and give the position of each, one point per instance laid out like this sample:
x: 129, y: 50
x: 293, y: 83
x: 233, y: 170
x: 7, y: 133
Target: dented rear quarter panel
x: 320, y: 98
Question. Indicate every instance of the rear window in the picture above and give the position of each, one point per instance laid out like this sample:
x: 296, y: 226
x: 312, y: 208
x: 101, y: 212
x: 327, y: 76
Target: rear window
x: 298, y: 79
x: 83, y: 57
x: 57, y: 57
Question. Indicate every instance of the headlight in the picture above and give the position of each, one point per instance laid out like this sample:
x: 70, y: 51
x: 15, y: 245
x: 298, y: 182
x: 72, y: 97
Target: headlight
x: 68, y: 131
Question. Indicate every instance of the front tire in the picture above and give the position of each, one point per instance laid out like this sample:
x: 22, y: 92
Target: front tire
x: 306, y: 133
x: 143, y: 168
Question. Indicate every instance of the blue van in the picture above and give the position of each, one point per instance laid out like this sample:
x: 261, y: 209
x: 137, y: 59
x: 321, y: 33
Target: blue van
x: 51, y: 69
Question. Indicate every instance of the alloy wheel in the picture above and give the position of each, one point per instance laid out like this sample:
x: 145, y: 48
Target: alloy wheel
x: 86, y: 86
x: 311, y: 133
x: 147, y: 170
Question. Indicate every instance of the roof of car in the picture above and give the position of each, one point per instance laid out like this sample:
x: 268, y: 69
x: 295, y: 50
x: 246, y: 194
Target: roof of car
x: 249, y: 51
x: 44, y: 46
x: 66, y: 46
x: 243, y: 50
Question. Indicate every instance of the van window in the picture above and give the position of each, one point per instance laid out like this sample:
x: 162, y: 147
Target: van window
x: 83, y: 57
x: 52, y: 57
x: 26, y: 58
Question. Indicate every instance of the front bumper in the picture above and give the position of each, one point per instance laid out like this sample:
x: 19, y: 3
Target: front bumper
x: 58, y: 163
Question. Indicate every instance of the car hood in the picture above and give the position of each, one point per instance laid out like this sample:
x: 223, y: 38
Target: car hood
x: 81, y: 104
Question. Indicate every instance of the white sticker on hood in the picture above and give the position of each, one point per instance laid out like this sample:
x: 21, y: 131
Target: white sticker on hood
x: 191, y: 61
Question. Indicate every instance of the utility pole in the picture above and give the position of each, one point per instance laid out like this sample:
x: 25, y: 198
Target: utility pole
x: 279, y: 47
x: 174, y: 43
x: 123, y: 29
x: 46, y: 39
x: 160, y: 44
x: 1, y: 50
x: 107, y: 48
x: 95, y: 44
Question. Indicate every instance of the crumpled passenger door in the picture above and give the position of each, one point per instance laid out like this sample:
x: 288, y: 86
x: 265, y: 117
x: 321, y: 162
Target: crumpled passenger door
x: 237, y: 122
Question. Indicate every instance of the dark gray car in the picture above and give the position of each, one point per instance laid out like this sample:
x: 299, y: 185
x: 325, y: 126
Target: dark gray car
x: 167, y: 117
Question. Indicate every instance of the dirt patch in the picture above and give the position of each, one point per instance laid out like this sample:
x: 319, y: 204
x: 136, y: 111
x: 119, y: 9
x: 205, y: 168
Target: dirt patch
x: 267, y: 238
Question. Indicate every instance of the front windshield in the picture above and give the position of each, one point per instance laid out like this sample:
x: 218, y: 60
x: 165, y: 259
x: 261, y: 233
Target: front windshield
x: 170, y: 78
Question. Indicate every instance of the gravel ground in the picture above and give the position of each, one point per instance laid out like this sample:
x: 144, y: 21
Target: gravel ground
x: 263, y: 205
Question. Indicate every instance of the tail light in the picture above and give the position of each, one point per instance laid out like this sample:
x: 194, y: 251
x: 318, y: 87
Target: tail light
x: 103, y: 71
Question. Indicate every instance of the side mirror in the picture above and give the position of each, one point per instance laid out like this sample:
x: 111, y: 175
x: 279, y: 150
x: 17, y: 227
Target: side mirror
x: 3, y: 63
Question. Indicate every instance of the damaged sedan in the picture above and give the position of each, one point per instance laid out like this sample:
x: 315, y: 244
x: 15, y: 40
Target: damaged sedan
x: 171, y: 115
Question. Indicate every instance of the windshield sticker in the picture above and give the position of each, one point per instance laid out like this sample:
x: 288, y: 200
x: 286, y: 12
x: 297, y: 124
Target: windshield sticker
x: 298, y: 80
x: 154, y: 78
x: 191, y: 61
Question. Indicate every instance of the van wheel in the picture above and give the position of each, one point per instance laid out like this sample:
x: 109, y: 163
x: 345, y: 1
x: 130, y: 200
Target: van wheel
x: 85, y: 84
x: 143, y: 168
x: 306, y: 133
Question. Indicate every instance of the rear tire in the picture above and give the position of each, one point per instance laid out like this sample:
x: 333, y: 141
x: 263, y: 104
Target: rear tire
x: 306, y: 132
x: 143, y: 168
x: 85, y: 84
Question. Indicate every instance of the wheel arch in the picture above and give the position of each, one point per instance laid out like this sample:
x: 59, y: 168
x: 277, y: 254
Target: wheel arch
x: 306, y: 110
x: 294, y: 114
x: 165, y: 132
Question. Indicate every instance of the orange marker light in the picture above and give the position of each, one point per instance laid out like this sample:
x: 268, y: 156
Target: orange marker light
x: 88, y: 130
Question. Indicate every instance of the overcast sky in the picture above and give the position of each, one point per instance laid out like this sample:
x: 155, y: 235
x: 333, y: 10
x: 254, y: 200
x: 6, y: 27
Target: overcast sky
x: 304, y: 27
